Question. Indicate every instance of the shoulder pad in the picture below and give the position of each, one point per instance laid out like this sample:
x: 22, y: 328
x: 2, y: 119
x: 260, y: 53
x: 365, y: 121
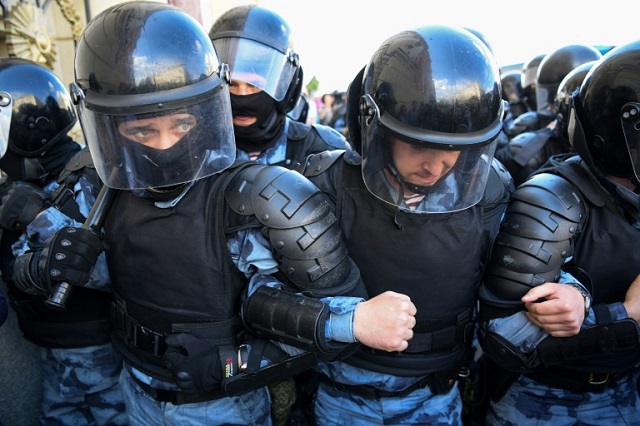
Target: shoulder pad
x: 527, y: 147
x: 316, y: 164
x: 500, y: 184
x: 527, y: 120
x: 81, y: 160
x: 276, y: 196
x: 503, y: 175
x: 297, y: 130
x: 535, y: 237
x: 331, y: 136
x: 524, y: 122
x: 237, y: 194
x: 553, y: 193
x: 574, y: 169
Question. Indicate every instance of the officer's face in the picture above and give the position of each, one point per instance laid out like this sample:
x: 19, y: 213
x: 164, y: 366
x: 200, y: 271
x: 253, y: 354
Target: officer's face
x: 158, y: 132
x: 422, y: 166
x: 242, y: 88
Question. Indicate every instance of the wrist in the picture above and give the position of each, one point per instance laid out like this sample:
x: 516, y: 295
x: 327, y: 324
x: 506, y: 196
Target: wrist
x: 585, y: 295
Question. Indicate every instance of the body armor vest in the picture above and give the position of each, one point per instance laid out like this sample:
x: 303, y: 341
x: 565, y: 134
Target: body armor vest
x: 177, y: 278
x: 423, y: 259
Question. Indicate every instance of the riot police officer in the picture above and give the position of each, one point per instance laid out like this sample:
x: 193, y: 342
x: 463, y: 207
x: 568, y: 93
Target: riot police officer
x: 164, y: 141
x: 528, y: 151
x: 48, y: 187
x: 266, y: 84
x: 419, y: 213
x: 561, y: 301
x: 550, y: 72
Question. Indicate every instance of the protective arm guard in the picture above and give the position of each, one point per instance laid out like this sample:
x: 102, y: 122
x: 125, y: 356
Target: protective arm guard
x: 606, y: 339
x: 534, y: 239
x: 619, y: 336
x: 301, y: 227
x: 292, y: 319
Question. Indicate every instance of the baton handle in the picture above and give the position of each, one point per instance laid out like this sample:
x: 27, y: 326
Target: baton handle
x: 58, y: 298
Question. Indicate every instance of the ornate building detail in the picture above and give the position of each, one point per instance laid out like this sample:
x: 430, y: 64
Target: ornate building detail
x: 72, y: 16
x: 26, y: 36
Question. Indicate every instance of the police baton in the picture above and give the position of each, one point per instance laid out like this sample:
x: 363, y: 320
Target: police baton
x: 58, y: 298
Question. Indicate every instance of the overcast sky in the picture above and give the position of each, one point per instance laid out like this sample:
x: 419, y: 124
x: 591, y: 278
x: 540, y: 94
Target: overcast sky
x: 335, y: 38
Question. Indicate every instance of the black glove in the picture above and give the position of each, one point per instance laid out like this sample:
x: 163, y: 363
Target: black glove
x: 21, y: 205
x: 194, y: 363
x: 68, y: 256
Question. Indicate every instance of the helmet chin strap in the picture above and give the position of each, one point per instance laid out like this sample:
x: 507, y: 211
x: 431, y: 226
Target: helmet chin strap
x: 404, y: 185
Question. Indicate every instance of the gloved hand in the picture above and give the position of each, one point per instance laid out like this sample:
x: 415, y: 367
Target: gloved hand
x: 68, y: 256
x: 194, y: 363
x: 21, y: 204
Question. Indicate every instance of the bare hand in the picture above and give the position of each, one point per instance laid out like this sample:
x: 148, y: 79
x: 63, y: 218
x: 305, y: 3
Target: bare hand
x: 385, y: 322
x: 632, y: 300
x: 561, y: 313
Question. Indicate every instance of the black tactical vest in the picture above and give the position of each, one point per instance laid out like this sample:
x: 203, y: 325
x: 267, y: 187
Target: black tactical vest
x: 435, y: 259
x: 172, y: 272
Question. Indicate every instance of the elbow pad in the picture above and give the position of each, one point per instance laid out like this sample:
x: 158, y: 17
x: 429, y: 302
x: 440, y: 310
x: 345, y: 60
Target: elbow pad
x: 300, y: 224
x: 292, y: 319
x: 534, y: 239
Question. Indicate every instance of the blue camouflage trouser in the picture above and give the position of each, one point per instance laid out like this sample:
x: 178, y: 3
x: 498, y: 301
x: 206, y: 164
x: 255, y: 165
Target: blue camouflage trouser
x: 528, y: 402
x: 421, y: 407
x: 81, y: 387
x: 252, y: 408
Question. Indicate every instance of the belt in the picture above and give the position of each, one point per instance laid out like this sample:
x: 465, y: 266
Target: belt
x: 434, y: 383
x: 177, y: 397
x: 575, y: 381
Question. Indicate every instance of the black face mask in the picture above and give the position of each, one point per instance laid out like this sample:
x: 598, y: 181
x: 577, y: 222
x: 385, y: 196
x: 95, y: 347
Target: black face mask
x: 268, y: 127
x: 163, y: 164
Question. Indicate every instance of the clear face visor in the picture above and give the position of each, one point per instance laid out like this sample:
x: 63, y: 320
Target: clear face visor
x: 258, y: 64
x: 6, y: 107
x: 420, y: 176
x: 630, y: 119
x: 152, y: 150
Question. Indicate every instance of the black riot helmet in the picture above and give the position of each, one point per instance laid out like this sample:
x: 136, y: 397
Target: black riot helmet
x: 568, y: 85
x: 529, y: 74
x: 604, y: 126
x: 35, y: 108
x: 554, y: 67
x: 415, y: 92
x: 257, y: 44
x: 144, y: 60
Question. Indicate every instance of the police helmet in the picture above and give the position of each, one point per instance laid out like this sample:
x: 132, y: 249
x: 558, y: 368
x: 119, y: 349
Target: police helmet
x: 604, y: 126
x: 529, y: 73
x: 35, y: 108
x: 142, y: 60
x: 257, y: 44
x: 554, y: 67
x: 414, y: 92
x: 568, y: 85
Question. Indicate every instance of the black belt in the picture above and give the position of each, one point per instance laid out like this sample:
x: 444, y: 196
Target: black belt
x: 177, y: 397
x: 575, y: 381
x: 435, y: 383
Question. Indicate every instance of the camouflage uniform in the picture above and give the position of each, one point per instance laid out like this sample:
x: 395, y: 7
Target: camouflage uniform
x: 80, y: 384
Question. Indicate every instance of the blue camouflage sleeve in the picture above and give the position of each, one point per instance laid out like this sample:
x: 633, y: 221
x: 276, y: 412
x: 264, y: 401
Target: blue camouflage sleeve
x: 251, y: 253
